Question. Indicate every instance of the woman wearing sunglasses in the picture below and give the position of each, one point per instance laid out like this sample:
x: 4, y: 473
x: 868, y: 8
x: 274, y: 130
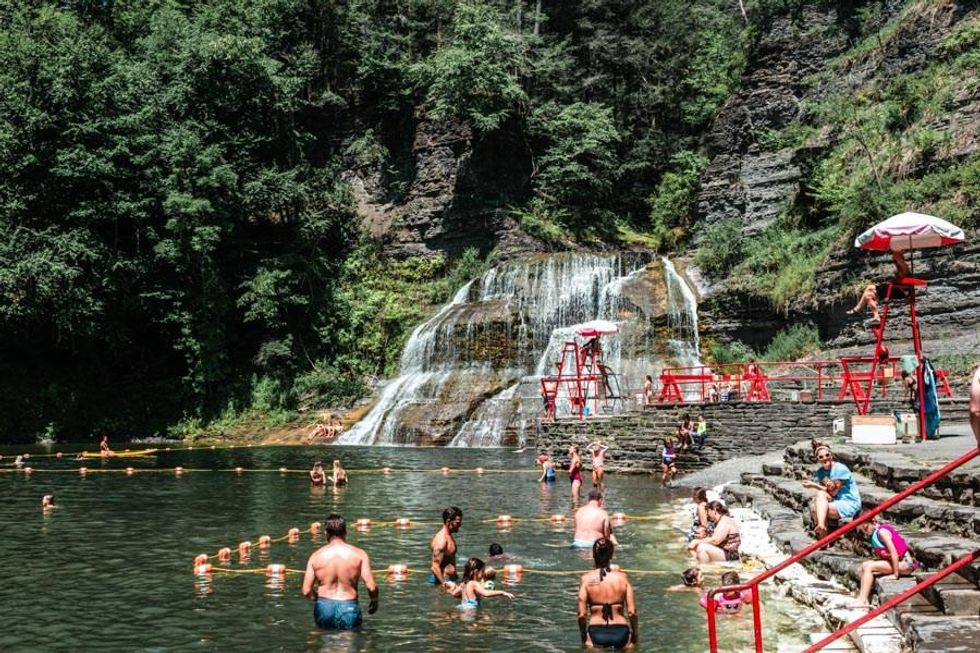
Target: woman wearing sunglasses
x: 842, y: 504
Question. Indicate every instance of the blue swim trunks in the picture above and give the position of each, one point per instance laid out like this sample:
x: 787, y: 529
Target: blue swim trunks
x: 332, y: 614
x: 582, y: 544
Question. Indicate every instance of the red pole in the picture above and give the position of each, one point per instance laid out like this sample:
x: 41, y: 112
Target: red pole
x: 712, y: 626
x: 757, y: 619
x: 820, y: 382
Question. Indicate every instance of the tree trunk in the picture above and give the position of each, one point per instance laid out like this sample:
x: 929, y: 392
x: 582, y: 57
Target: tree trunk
x: 537, y: 17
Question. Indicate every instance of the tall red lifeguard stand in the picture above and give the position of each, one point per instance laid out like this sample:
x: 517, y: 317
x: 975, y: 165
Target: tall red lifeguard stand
x: 581, y: 372
x: 905, y: 231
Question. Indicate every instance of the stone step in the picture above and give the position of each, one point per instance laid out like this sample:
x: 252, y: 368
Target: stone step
x: 934, y: 550
x: 840, y: 560
x: 895, y: 471
x: 930, y: 634
x: 954, y: 595
x: 887, y: 588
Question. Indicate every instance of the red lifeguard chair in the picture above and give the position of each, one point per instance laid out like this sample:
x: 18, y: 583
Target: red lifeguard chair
x: 905, y: 231
x: 582, y: 373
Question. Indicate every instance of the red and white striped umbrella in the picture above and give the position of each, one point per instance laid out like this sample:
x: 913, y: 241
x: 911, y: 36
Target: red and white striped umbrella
x: 909, y: 231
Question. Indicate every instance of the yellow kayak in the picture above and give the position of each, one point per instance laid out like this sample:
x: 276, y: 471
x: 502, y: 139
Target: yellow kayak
x: 141, y: 453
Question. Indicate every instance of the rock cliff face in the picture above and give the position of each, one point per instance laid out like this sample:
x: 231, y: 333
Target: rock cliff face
x: 457, y: 184
x: 753, y: 184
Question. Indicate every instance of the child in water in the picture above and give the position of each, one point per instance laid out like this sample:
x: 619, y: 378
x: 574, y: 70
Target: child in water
x: 692, y: 579
x: 668, y: 457
x: 728, y: 602
x: 471, y: 588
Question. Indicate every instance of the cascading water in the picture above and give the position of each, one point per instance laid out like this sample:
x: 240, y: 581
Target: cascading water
x: 684, y: 343
x: 470, y: 375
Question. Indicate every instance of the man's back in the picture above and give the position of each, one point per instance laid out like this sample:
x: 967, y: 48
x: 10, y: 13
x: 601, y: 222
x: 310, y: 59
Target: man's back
x: 591, y: 522
x: 337, y: 567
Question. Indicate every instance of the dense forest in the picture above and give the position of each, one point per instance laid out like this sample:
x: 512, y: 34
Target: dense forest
x: 179, y: 245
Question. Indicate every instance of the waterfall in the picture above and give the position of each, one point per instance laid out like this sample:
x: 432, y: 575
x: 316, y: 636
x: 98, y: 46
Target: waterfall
x: 470, y: 375
x: 684, y: 343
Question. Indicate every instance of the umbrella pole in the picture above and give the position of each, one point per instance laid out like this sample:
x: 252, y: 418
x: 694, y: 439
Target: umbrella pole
x: 920, y: 370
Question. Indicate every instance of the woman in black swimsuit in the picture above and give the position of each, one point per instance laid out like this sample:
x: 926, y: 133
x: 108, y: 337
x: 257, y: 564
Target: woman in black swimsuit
x: 605, y: 600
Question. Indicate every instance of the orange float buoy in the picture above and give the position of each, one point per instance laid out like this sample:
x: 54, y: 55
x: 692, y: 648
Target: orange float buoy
x: 293, y: 534
x: 619, y: 518
x: 58, y: 455
x: 275, y: 570
x: 283, y: 470
x: 504, y: 520
x: 558, y: 518
x: 179, y: 471
x: 200, y: 559
x: 265, y: 541
x: 398, y: 571
x: 403, y: 522
x: 479, y: 470
x: 445, y: 470
x: 239, y: 470
x: 83, y: 470
x: 363, y: 524
x: 386, y: 470
x: 224, y: 554
x: 315, y: 527
x: 614, y: 567
x: 244, y: 549
x: 202, y: 570
x: 28, y: 470
x: 130, y: 471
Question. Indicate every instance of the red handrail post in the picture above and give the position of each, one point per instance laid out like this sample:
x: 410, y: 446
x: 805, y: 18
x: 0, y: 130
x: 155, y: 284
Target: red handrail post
x: 712, y: 628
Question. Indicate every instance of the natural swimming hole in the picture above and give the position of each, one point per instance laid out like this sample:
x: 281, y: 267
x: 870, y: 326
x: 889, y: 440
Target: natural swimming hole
x: 111, y: 569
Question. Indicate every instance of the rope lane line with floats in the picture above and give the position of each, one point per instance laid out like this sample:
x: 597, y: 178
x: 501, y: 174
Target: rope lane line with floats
x: 512, y: 572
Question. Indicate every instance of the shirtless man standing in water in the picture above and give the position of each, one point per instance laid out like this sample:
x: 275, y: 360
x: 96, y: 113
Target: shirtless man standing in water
x: 332, y: 574
x: 592, y: 522
x: 444, y: 548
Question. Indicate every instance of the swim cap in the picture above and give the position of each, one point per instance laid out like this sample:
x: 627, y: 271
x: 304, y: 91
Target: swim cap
x: 543, y: 457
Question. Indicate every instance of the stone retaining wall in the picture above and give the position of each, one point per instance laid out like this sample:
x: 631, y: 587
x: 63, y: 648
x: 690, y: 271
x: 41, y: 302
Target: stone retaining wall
x: 734, y: 429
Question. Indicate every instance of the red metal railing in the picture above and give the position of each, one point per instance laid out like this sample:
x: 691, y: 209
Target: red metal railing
x: 825, y: 540
x: 700, y: 378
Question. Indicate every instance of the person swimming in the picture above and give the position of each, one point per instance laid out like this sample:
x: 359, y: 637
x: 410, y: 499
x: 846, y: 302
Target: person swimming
x: 472, y: 587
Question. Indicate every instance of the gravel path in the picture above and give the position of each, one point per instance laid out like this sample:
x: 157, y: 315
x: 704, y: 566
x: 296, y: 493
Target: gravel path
x: 728, y: 470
